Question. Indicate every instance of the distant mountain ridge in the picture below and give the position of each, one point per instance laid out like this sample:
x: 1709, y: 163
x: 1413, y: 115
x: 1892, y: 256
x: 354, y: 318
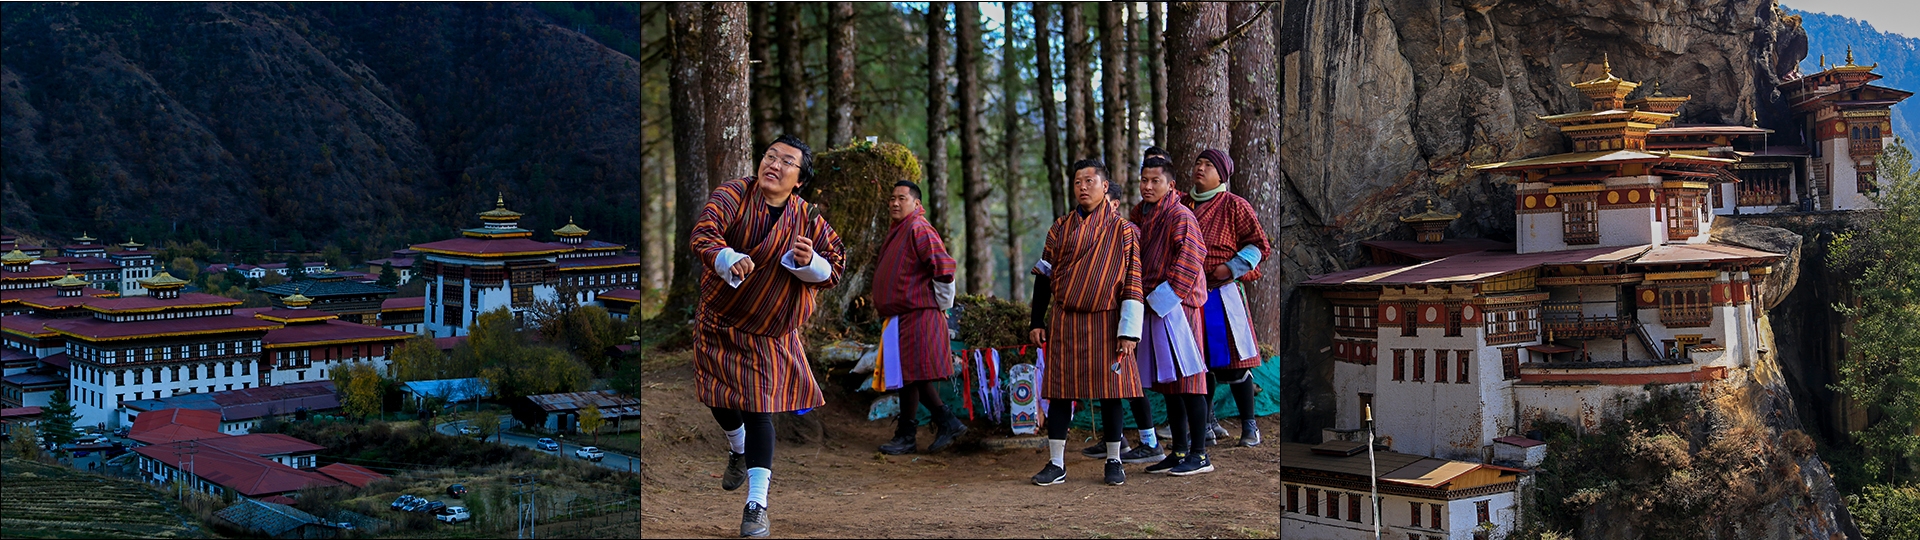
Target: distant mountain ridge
x: 1898, y: 58
x: 365, y: 125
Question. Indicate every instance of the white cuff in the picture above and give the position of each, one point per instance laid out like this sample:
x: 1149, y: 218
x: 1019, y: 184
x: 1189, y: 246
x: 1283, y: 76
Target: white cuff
x: 1244, y: 261
x: 815, y: 272
x: 1163, y: 300
x: 943, y: 294
x: 1131, y: 312
x: 723, y: 264
x: 1043, y: 268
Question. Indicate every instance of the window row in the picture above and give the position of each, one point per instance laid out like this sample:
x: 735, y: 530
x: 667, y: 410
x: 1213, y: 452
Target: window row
x: 1462, y: 365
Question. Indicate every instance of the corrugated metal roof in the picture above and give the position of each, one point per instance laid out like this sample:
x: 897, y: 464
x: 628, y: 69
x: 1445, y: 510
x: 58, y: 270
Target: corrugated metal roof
x: 608, y: 401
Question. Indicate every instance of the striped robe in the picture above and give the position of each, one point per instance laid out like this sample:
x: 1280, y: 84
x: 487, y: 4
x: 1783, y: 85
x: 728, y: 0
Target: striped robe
x: 748, y: 354
x: 1171, y: 252
x: 1228, y: 224
x: 911, y: 258
x: 1095, y: 264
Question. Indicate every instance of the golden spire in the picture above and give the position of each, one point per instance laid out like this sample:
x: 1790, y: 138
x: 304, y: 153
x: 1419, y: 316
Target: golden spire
x: 1823, y: 61
x: 70, y: 281
x: 1753, y: 118
x: 1849, y: 55
x: 296, y: 301
x: 500, y: 200
x: 1605, y: 64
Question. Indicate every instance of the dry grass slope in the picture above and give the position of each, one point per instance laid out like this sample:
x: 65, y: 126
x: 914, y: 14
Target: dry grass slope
x: 47, y: 501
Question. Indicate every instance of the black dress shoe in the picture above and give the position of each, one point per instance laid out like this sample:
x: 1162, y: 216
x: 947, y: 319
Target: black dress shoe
x: 944, y: 436
x: 736, y: 472
x: 753, y: 521
x: 901, y: 444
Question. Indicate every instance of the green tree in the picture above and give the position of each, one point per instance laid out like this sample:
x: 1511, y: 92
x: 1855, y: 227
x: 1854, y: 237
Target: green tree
x: 418, y: 359
x: 591, y: 421
x: 269, y: 280
x: 184, y: 268
x: 488, y: 422
x: 295, y: 268
x: 1883, y: 373
x: 58, y: 419
x: 359, y: 388
x: 1886, y: 512
x: 335, y: 258
x: 388, y: 278
x: 25, y: 442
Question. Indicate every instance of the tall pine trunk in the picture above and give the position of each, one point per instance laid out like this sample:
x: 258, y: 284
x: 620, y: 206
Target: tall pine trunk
x: 649, y: 243
x: 1074, y: 28
x: 1049, y: 113
x: 1113, y: 73
x: 793, y: 73
x: 973, y: 181
x: 1010, y: 152
x: 1196, y: 93
x: 1157, y: 72
x: 938, y: 201
x: 724, y: 80
x: 1132, y: 88
x: 840, y: 76
x: 1256, y: 151
x: 765, y: 118
x: 686, y: 37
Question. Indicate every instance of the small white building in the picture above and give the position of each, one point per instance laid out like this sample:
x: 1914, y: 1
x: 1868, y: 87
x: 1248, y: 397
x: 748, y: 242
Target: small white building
x: 1328, y: 489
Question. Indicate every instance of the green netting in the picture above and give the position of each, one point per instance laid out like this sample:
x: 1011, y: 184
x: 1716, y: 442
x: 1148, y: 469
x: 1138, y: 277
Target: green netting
x: 1266, y: 402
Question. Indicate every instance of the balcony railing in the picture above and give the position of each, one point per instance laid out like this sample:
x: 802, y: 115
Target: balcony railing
x: 1566, y: 320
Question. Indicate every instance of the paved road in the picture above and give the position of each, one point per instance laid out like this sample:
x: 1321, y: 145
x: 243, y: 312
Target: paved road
x: 613, y: 461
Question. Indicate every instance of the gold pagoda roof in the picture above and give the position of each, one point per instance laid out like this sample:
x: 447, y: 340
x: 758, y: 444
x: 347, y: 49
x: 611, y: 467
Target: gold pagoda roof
x: 1850, y: 66
x: 164, y: 280
x: 84, y: 238
x: 70, y: 281
x: 1607, y: 84
x: 570, y: 229
x: 1629, y: 115
x: 1430, y: 215
x: 296, y: 299
x: 132, y: 244
x: 17, y: 257
x: 500, y: 211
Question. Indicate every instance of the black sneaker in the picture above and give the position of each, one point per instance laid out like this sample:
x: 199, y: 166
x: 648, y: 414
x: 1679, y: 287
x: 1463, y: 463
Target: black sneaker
x: 736, y: 472
x: 1194, y: 464
x: 1051, y: 475
x: 1116, y: 474
x: 1167, y: 463
x: 1141, y: 454
x: 901, y: 444
x: 1099, y: 450
x: 1249, y: 433
x: 1217, y: 433
x: 753, y: 521
x: 944, y: 437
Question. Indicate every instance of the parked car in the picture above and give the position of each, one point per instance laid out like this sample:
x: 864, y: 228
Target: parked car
x: 468, y: 430
x: 549, y: 444
x: 454, y: 514
x: 415, y: 505
x: 431, y: 507
x: 590, y: 453
x: 456, y: 490
x: 402, y: 502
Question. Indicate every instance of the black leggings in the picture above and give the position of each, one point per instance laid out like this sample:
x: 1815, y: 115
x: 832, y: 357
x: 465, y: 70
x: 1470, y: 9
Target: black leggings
x: 1060, y: 417
x: 1142, y: 412
x: 1242, y: 391
x: 912, y: 396
x: 1186, y: 414
x: 759, y: 433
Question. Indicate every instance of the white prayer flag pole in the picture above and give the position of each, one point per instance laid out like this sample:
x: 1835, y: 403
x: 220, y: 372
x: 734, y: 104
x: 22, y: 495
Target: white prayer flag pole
x: 1373, y: 474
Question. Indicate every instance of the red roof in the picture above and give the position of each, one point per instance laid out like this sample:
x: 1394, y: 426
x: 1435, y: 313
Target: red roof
x: 82, y: 264
x: 592, y: 262
x: 264, y: 444
x: 61, y: 361
x: 498, y: 247
x: 98, y: 329
x: 149, y: 303
x: 174, y: 425
x: 626, y: 295
x: 248, y: 475
x: 26, y: 323
x: 36, y: 271
x: 49, y: 297
x: 1473, y: 266
x: 1418, y: 250
x: 1704, y: 253
x: 411, y: 302
x: 331, y: 330
x: 351, y: 474
x: 19, y: 411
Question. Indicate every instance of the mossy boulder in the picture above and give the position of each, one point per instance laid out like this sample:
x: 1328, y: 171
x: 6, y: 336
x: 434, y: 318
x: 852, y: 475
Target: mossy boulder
x: 851, y: 185
x: 986, y: 321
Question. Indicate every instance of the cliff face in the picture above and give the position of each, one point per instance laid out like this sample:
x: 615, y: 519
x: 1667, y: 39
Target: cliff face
x: 1385, y: 103
x: 237, y: 117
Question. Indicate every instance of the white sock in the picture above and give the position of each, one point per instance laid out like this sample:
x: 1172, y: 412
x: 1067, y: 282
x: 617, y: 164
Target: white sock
x: 1113, y: 451
x: 757, y: 480
x: 1057, y: 452
x: 737, y: 440
x: 1148, y: 439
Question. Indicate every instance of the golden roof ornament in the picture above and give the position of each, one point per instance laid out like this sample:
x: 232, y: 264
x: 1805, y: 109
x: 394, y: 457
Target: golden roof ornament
x: 1431, y: 214
x: 1849, y: 55
x: 162, y: 281
x: 70, y: 280
x: 296, y: 301
x: 84, y: 238
x: 570, y: 229
x: 17, y: 257
x: 499, y: 211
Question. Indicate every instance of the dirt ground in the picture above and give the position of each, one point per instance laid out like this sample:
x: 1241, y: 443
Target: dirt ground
x: 839, y: 486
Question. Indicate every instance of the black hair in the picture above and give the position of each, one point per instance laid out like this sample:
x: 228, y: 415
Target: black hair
x: 911, y: 187
x: 806, y: 156
x: 1156, y: 162
x: 1095, y: 164
x: 1157, y: 151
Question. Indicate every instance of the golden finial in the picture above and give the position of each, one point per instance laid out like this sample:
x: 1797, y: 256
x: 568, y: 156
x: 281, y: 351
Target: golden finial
x: 1606, y: 64
x: 1849, y: 55
x: 500, y: 200
x: 1753, y: 118
x: 1823, y: 61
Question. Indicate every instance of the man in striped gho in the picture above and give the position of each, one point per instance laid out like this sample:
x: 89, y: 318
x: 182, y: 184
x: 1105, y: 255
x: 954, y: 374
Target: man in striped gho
x: 749, y: 361
x: 1087, y: 312
x: 1171, y: 254
x: 1235, y: 247
x: 912, y: 289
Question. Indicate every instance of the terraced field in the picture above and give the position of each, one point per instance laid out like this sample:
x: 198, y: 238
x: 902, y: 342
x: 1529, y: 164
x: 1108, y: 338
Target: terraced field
x: 45, y: 501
